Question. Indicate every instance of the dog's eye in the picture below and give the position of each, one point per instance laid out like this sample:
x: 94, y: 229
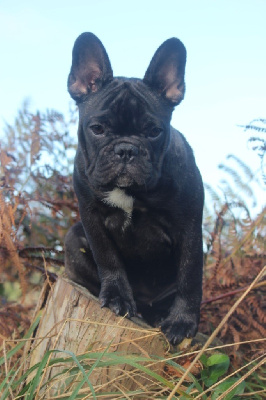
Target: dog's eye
x: 154, y: 132
x: 97, y: 129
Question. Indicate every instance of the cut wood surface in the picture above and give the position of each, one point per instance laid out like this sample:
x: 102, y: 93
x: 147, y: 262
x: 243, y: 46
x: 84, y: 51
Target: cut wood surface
x: 73, y: 321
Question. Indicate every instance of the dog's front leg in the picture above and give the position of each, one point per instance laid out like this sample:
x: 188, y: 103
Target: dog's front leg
x: 184, y: 314
x: 115, y: 292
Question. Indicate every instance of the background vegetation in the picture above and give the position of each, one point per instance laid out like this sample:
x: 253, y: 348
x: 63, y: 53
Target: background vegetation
x: 38, y: 205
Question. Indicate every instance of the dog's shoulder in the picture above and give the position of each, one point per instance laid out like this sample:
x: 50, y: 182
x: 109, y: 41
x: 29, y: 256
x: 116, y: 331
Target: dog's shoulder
x: 180, y: 154
x: 180, y: 166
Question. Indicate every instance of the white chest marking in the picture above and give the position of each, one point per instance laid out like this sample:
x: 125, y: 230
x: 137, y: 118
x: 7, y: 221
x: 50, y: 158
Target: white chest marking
x: 118, y: 198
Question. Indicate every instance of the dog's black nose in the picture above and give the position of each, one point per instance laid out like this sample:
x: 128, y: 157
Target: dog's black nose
x: 126, y: 151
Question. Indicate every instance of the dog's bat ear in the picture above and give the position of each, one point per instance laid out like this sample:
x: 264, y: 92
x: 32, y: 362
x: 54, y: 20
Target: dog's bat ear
x: 91, y: 68
x: 166, y: 72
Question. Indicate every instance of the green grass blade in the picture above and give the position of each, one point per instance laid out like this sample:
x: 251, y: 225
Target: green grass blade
x: 41, y: 366
x: 79, y: 386
x: 36, y: 379
x: 82, y: 370
x: 134, y: 362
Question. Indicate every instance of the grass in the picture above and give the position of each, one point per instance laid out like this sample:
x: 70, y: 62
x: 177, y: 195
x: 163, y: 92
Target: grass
x: 152, y: 377
x: 212, y: 381
x: 61, y: 374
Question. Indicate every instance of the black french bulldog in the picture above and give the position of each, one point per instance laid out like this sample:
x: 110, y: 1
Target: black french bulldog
x: 139, y: 243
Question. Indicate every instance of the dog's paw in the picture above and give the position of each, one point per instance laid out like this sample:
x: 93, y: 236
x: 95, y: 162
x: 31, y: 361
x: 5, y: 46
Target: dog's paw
x: 118, y: 299
x: 177, y: 329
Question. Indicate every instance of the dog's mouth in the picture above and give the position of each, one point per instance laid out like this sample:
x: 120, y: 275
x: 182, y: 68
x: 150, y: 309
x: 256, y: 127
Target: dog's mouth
x: 124, y: 180
x: 131, y: 176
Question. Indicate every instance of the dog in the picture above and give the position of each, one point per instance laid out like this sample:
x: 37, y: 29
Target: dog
x: 138, y: 246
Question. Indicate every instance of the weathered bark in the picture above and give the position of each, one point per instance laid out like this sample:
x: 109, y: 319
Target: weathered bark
x: 72, y: 320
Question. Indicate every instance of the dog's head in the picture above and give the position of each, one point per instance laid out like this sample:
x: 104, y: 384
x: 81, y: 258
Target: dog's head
x: 124, y: 125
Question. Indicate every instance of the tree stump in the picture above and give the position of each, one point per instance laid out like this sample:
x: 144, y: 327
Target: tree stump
x: 73, y: 321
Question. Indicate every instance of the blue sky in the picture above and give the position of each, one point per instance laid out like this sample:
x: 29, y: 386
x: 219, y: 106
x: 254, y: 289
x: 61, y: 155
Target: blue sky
x: 225, y: 75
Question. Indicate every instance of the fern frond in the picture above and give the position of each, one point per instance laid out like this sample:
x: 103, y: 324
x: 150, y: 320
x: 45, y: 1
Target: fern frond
x: 244, y: 167
x: 213, y: 193
x: 254, y: 128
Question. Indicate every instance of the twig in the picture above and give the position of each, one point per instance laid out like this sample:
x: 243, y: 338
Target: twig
x: 232, y: 293
x: 39, y: 249
x: 48, y: 259
x: 51, y: 275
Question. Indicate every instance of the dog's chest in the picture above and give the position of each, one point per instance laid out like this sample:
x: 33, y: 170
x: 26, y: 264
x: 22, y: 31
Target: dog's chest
x: 117, y: 198
x: 137, y: 230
